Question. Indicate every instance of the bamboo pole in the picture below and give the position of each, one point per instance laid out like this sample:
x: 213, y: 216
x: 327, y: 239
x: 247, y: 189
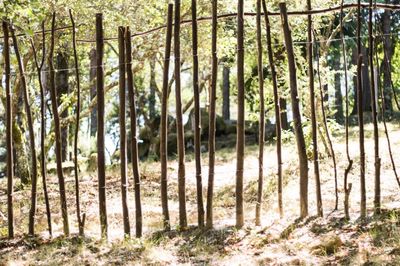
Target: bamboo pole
x: 164, y: 122
x: 261, y: 123
x: 277, y: 108
x: 197, y: 133
x: 180, y: 130
x: 212, y: 116
x: 56, y: 117
x: 32, y: 211
x: 9, y: 132
x: 79, y: 216
x: 122, y: 129
x: 346, y: 187
x: 135, y: 152
x: 310, y: 56
x: 363, y: 207
x: 371, y: 39
x: 301, y: 146
x: 240, y: 131
x: 101, y: 171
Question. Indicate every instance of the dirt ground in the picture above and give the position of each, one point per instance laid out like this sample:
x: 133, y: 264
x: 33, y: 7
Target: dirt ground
x: 279, y: 241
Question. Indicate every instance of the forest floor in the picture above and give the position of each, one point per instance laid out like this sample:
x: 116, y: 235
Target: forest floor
x: 279, y: 241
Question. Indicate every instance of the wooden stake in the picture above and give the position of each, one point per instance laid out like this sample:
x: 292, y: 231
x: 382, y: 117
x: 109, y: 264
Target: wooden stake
x: 240, y: 133
x: 80, y: 218
x: 101, y: 171
x: 135, y: 152
x: 32, y: 211
x: 9, y: 132
x: 122, y: 130
x: 212, y: 116
x: 298, y: 127
x: 180, y: 130
x: 56, y: 117
x: 261, y: 126
x: 278, y: 127
x: 164, y: 122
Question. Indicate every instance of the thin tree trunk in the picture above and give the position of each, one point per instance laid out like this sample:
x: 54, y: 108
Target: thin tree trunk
x: 135, y: 153
x: 346, y: 186
x: 39, y: 68
x: 371, y: 39
x: 80, y: 218
x: 298, y: 129
x: 240, y: 131
x: 179, y: 129
x: 360, y: 112
x: 261, y: 123
x: 122, y: 129
x: 57, y: 129
x: 278, y: 126
x: 212, y: 117
x: 388, y: 54
x: 153, y: 88
x: 164, y: 122
x: 283, y: 110
x: 101, y: 171
x: 313, y: 113
x: 9, y: 132
x: 197, y: 133
x: 32, y: 211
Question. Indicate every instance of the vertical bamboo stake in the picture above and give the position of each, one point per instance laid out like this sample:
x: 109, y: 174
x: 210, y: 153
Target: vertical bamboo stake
x: 240, y: 134
x: 277, y: 108
x: 211, y: 127
x: 301, y: 146
x: 39, y: 68
x: 261, y: 126
x: 313, y: 115
x: 101, y: 171
x: 80, y: 218
x: 9, y: 132
x: 32, y: 211
x: 54, y: 106
x: 179, y: 129
x: 122, y: 130
x: 135, y: 152
x: 164, y: 122
x: 377, y: 198
x: 197, y: 117
x: 360, y: 112
x: 346, y: 186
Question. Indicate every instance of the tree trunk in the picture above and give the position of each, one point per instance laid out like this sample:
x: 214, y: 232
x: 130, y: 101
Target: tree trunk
x: 9, y: 132
x: 179, y: 127
x: 164, y: 122
x: 283, y: 110
x: 298, y: 129
x: 57, y: 129
x: 212, y: 116
x: 153, y: 88
x: 226, y: 93
x: 63, y: 90
x: 135, y: 153
x: 101, y: 170
x: 240, y: 130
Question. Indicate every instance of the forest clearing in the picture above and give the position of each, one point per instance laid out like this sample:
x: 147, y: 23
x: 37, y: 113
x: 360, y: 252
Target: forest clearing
x: 199, y: 132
